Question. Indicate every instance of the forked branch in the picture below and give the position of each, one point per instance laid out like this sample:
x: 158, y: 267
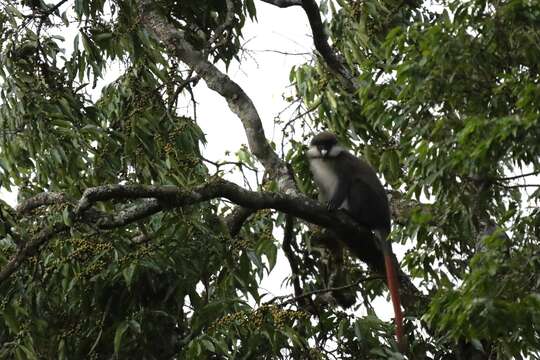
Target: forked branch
x: 141, y: 201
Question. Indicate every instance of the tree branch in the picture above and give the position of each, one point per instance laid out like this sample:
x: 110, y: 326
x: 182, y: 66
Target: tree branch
x: 153, y: 199
x: 517, y: 186
x: 30, y: 249
x: 532, y: 173
x: 283, y: 3
x: 320, y: 40
x: 127, y: 216
x: 236, y: 219
x: 288, y: 238
x: 308, y: 294
x: 42, y: 199
x: 163, y: 197
x: 238, y: 101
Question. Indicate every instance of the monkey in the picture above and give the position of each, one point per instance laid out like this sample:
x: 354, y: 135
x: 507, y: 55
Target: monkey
x: 347, y: 182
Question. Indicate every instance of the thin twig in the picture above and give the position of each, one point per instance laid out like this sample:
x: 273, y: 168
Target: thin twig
x: 517, y: 186
x: 519, y: 176
x: 322, y: 291
x: 281, y: 52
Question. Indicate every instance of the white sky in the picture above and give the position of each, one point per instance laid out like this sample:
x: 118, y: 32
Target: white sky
x: 262, y: 74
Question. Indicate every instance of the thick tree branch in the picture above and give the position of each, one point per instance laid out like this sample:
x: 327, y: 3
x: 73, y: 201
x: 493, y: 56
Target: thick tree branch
x: 171, y: 197
x: 30, y: 249
x: 236, y: 219
x: 174, y: 39
x: 127, y: 216
x: 288, y: 238
x: 42, y: 199
x: 150, y: 199
x: 284, y: 3
x: 320, y: 40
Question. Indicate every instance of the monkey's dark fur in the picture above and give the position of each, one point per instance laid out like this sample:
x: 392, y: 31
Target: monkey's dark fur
x: 355, y: 188
x: 350, y: 183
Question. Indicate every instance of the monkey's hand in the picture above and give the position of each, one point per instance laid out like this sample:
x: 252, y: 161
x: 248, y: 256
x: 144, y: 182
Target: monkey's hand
x: 339, y: 196
x: 333, y: 204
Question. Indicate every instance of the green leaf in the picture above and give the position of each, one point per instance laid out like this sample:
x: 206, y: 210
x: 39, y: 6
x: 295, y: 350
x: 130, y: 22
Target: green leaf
x: 103, y: 36
x: 252, y: 11
x: 477, y: 344
x: 331, y: 99
x: 62, y: 349
x: 135, y: 326
x: 66, y: 216
x: 390, y: 165
x: 271, y: 254
x: 10, y: 320
x: 208, y: 345
x: 128, y: 274
x: 119, y: 334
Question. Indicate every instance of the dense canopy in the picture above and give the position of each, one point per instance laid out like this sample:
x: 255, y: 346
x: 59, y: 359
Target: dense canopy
x: 127, y: 242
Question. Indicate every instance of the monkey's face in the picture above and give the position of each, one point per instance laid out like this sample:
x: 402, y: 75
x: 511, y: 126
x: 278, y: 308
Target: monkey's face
x: 324, y: 146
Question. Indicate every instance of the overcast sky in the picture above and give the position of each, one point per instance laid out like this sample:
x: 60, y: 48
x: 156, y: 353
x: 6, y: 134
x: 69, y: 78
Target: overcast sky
x: 264, y: 77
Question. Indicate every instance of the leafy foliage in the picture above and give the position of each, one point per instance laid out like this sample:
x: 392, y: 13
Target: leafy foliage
x: 446, y: 109
x: 149, y: 290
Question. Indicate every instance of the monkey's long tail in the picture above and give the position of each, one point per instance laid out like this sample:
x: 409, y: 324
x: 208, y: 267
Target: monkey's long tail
x: 393, y: 286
